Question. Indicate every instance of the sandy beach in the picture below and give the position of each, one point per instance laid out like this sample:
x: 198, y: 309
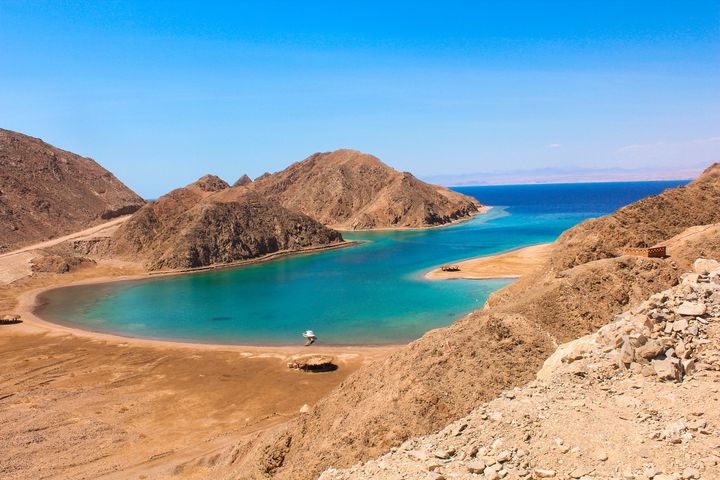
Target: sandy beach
x: 81, y: 404
x: 513, y: 264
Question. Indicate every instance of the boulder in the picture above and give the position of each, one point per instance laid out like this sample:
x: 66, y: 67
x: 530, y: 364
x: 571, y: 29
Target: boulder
x: 669, y: 370
x: 313, y: 363
x: 691, y: 309
x: 650, y: 350
x: 704, y: 265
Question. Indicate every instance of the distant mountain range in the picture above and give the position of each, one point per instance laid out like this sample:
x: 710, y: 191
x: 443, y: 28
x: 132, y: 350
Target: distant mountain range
x: 568, y: 175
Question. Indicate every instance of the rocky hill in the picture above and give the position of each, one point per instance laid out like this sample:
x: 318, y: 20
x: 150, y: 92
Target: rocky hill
x: 644, y: 223
x: 636, y: 400
x: 47, y: 192
x: 448, y: 372
x: 347, y: 189
x: 209, y: 223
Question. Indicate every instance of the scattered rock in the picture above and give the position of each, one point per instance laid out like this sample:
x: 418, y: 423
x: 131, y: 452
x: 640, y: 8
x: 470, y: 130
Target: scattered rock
x: 691, y: 309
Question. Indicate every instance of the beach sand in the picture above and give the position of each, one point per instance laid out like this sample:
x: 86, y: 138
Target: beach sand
x: 79, y: 404
x: 511, y: 264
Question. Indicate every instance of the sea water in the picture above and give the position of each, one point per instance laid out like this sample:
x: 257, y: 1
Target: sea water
x: 370, y: 293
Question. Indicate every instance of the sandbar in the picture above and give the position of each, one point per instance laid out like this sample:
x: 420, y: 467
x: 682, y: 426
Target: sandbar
x: 512, y: 264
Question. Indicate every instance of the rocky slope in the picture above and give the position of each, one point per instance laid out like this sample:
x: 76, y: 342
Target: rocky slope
x: 643, y: 223
x: 209, y: 223
x: 448, y: 372
x: 639, y: 399
x: 46, y: 192
x: 347, y: 189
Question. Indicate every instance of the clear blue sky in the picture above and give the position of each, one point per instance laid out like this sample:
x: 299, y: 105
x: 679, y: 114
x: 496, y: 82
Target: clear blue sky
x: 163, y: 92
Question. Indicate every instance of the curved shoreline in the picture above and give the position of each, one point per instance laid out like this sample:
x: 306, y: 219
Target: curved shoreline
x: 33, y: 324
x: 28, y: 304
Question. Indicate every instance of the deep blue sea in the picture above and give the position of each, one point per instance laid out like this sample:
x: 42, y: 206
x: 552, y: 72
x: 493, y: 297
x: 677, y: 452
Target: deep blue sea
x: 371, y: 293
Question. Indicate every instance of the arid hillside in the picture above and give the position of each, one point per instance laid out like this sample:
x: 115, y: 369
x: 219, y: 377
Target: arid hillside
x: 449, y: 371
x: 351, y: 190
x: 645, y: 223
x: 46, y: 192
x: 600, y: 407
x: 209, y: 223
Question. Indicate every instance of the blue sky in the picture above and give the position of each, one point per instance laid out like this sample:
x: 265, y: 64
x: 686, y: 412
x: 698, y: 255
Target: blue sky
x: 163, y: 92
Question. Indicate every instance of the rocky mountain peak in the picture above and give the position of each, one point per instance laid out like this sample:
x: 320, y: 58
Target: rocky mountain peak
x: 243, y: 181
x: 348, y: 189
x: 210, y: 183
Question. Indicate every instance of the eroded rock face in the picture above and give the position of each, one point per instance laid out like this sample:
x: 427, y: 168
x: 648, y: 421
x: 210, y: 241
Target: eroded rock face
x: 47, y: 192
x: 208, y: 223
x: 351, y: 190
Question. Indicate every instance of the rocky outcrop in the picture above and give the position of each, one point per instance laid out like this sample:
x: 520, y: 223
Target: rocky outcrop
x: 47, y: 192
x: 208, y: 223
x: 59, y: 264
x: 449, y: 371
x: 635, y: 400
x: 347, y: 189
x: 210, y: 183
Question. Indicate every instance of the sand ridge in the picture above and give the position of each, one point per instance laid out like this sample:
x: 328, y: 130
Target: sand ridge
x: 512, y: 264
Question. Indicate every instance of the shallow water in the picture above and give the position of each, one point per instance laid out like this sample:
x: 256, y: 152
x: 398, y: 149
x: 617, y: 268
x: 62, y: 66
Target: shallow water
x: 372, y: 293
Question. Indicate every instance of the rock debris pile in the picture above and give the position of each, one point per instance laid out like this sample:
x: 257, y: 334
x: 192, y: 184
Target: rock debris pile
x: 639, y: 399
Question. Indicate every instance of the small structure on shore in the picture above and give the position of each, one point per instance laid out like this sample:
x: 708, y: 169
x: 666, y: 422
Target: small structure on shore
x: 313, y: 363
x: 648, y: 252
x: 450, y: 268
x: 9, y: 319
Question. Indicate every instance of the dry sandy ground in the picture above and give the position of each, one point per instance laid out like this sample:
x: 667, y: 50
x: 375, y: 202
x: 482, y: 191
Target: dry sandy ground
x: 76, y: 404
x: 16, y: 264
x: 79, y: 408
x: 505, y: 265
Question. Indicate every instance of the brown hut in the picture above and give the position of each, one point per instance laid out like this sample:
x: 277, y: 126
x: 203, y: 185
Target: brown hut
x: 648, y: 252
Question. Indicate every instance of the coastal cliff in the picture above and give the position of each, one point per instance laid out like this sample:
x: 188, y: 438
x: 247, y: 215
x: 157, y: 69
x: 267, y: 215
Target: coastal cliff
x: 47, y: 192
x: 350, y: 190
x: 209, y: 223
x: 448, y: 372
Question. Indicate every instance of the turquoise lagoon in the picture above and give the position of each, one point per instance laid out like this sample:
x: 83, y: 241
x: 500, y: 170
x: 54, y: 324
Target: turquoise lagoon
x: 370, y: 293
